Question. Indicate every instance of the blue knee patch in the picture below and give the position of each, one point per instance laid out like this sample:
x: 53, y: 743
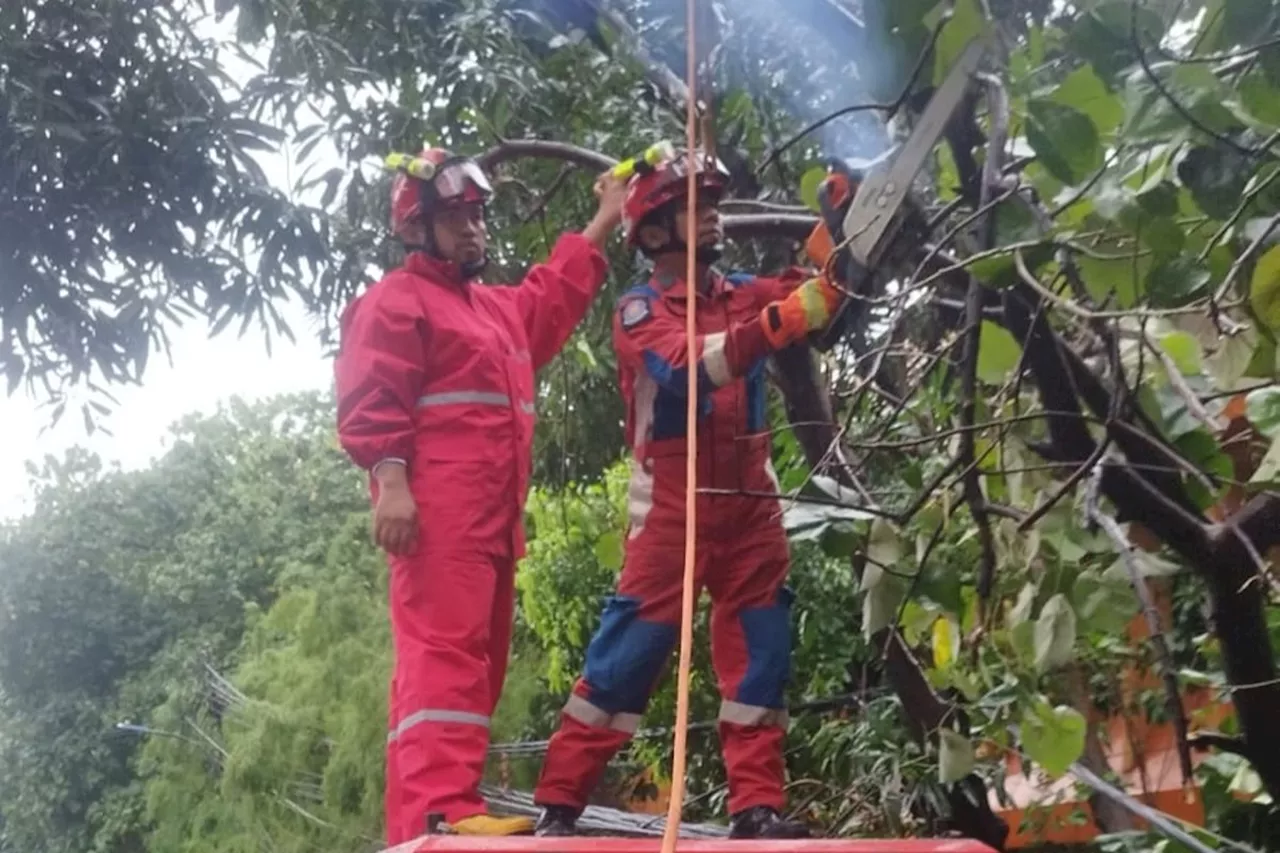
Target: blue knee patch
x: 767, y: 631
x: 625, y: 657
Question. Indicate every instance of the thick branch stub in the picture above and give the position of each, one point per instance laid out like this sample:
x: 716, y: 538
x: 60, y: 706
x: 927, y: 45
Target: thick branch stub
x: 741, y: 226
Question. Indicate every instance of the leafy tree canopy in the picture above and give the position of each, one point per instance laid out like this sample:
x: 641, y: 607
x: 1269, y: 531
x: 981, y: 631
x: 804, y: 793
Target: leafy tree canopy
x: 1058, y: 402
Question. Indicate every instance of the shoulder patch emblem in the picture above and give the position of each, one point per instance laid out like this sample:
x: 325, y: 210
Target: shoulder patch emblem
x: 635, y: 311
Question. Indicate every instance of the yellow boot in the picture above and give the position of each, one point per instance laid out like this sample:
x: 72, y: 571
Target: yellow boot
x: 487, y: 824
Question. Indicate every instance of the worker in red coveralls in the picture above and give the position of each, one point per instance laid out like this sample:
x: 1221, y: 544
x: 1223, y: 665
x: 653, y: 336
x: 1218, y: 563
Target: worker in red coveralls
x: 435, y: 389
x: 742, y: 553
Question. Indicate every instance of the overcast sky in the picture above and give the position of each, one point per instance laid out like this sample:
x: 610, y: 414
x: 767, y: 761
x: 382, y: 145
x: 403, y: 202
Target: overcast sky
x: 204, y: 372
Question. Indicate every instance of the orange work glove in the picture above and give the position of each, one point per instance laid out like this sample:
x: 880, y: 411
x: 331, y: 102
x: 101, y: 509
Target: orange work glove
x: 806, y: 309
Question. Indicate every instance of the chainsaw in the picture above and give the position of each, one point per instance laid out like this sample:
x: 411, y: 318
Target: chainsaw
x: 863, y: 216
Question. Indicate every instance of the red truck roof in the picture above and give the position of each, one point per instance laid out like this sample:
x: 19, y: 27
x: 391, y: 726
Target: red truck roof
x: 588, y: 844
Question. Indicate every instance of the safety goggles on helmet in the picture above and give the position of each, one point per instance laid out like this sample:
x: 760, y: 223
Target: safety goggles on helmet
x: 447, y: 181
x: 703, y: 164
x: 451, y: 179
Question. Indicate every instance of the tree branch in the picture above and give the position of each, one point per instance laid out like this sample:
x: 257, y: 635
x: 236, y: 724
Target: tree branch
x: 1220, y: 742
x: 742, y: 226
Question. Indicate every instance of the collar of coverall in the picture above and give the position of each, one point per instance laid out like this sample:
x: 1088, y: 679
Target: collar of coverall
x: 436, y: 269
x: 674, y: 287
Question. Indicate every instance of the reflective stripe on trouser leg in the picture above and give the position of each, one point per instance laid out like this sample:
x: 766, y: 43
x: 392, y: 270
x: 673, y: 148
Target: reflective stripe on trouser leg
x: 442, y: 615
x: 751, y: 650
x: 624, y: 660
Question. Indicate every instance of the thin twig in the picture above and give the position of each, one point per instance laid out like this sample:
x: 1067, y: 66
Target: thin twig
x: 1136, y: 42
x: 1244, y: 258
x: 1111, y: 527
x: 1083, y: 470
x: 1179, y: 384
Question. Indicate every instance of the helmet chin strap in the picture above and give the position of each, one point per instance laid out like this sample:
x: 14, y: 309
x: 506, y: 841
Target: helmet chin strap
x: 428, y: 247
x: 705, y: 255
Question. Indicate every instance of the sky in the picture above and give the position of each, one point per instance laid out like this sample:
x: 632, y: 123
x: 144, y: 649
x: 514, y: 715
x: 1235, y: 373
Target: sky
x: 204, y: 372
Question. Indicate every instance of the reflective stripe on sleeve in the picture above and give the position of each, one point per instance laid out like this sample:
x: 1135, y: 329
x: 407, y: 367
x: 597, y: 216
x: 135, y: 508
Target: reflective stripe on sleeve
x: 445, y: 398
x: 716, y: 360
x: 484, y: 398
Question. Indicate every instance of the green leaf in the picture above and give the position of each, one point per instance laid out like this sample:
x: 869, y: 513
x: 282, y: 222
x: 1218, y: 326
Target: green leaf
x: 1149, y: 566
x: 1064, y: 139
x: 955, y: 756
x: 1264, y: 288
x: 1104, y: 603
x: 1148, y: 117
x: 946, y: 642
x: 1184, y: 349
x: 585, y: 356
x: 1102, y: 36
x: 1203, y: 450
x: 1118, y: 281
x: 1261, y: 98
x: 1217, y: 177
x: 1232, y: 355
x: 1021, y: 610
x: 608, y: 550
x: 805, y: 521
x: 1000, y: 271
x: 1263, y: 411
x: 966, y: 22
x: 1268, y: 473
x: 917, y: 619
x: 809, y: 183
x: 883, y: 592
x: 1053, y: 737
x: 1082, y: 90
x: 884, y: 543
x: 1161, y: 234
x: 998, y: 353
x: 1055, y: 633
x: 1244, y: 21
x: 1160, y: 199
x: 1246, y: 783
x: 1151, y: 117
x: 1022, y: 638
x: 1200, y: 92
x: 840, y: 540
x: 1175, y: 281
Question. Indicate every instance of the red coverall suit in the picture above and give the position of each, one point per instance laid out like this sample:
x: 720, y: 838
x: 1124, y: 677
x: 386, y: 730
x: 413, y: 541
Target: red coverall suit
x: 438, y: 371
x: 742, y: 552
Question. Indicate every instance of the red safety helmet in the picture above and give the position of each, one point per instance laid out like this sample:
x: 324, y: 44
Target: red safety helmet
x: 652, y: 189
x: 434, y: 180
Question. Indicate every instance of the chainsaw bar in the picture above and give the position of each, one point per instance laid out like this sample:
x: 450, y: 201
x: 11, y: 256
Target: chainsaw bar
x: 880, y: 196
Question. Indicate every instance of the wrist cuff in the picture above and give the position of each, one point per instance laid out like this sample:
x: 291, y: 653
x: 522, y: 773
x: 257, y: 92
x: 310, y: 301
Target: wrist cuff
x: 390, y: 460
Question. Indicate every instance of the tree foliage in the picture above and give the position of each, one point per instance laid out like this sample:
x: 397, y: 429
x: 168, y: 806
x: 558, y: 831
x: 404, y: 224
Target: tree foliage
x: 133, y: 197
x: 1059, y: 403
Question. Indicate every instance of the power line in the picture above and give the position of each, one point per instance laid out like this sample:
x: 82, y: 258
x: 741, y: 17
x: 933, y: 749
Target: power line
x: 816, y: 706
x: 601, y: 818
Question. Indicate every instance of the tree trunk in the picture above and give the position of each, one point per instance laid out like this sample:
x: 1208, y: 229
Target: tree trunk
x: 808, y: 406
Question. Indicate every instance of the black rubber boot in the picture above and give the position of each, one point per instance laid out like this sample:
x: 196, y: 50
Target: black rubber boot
x: 764, y: 822
x: 557, y: 822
